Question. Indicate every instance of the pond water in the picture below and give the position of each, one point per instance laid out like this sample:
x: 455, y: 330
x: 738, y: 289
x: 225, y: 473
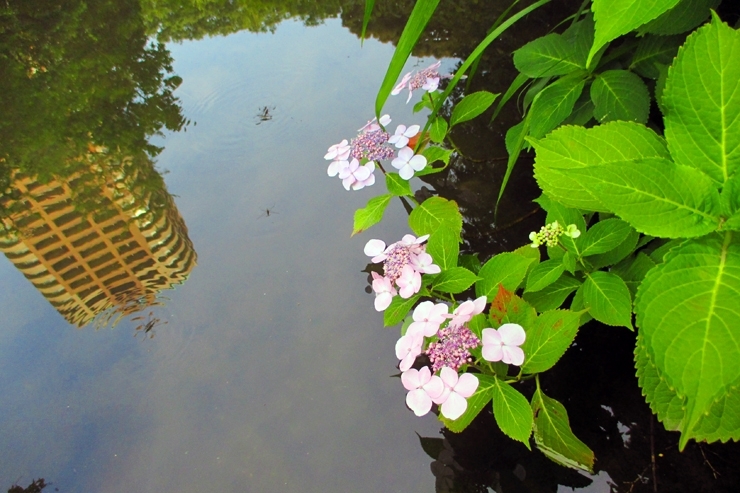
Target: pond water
x: 266, y: 367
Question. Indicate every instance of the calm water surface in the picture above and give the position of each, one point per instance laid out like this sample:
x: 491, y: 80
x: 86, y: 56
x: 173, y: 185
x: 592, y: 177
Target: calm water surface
x: 272, y: 372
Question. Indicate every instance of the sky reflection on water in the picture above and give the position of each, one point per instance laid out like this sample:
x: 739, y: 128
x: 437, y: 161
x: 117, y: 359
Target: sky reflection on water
x: 272, y: 372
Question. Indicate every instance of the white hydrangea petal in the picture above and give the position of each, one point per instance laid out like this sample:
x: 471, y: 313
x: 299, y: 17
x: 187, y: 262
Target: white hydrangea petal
x: 512, y: 334
x: 454, y: 406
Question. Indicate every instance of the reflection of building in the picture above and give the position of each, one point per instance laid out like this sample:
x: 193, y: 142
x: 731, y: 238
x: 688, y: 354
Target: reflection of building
x: 112, y: 260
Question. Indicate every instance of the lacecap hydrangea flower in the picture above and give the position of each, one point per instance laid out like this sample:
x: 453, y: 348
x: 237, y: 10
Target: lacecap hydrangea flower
x: 402, y: 268
x: 354, y: 161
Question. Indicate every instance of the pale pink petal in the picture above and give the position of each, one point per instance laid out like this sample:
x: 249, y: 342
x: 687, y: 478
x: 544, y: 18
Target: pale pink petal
x: 466, y: 384
x: 348, y: 182
x: 419, y: 402
x: 399, y: 87
x: 512, y: 334
x: 479, y: 304
x: 374, y: 247
x: 431, y: 84
x: 408, y: 361
x: 406, y: 172
x: 454, y: 406
x: 418, y: 162
x: 411, y: 131
x: 491, y: 336
x: 448, y: 376
x: 385, y: 120
x: 492, y: 352
x: 421, y: 312
x: 383, y: 301
x: 443, y: 396
x: 513, y: 355
x: 410, y: 379
x: 435, y: 387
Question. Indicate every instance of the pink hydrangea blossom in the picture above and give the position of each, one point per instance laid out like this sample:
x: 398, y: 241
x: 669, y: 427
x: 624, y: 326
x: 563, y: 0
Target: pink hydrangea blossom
x: 428, y: 317
x: 403, y: 134
x: 338, y: 152
x: 406, y: 163
x: 373, y: 126
x: 336, y: 167
x: 427, y: 79
x: 502, y: 344
x: 467, y: 310
x: 422, y: 387
x: 357, y: 176
x: 408, y: 347
x: 409, y: 282
x: 384, y: 291
x: 424, y: 263
x: 458, y: 388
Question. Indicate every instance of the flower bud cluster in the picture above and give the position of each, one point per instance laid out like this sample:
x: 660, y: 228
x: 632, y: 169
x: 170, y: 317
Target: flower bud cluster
x: 550, y: 234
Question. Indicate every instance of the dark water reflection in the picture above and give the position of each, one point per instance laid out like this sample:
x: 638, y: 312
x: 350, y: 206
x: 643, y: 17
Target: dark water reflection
x: 268, y: 369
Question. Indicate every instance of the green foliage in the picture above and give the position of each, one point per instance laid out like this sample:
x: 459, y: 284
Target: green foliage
x: 371, y: 214
x: 506, y: 269
x: 639, y: 215
x: 433, y: 213
x: 620, y: 95
x: 614, y: 18
x: 512, y: 412
x: 454, y: 280
x: 553, y: 435
x: 471, y: 106
x: 706, y: 75
x: 688, y: 315
x: 548, y: 339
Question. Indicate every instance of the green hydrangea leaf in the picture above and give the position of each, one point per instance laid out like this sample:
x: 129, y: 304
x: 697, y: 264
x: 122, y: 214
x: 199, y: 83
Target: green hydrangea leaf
x: 544, y: 274
x: 661, y: 397
x: 652, y: 51
x: 434, y: 154
x: 548, y: 339
x: 617, y: 17
x: 433, y: 213
x: 454, y: 280
x: 444, y: 247
x: 702, y: 102
x: 572, y: 147
x: 507, y: 269
x: 620, y: 95
x: 553, y: 105
x: 688, y: 313
x: 581, y: 36
x: 603, y: 237
x: 397, y: 186
x: 512, y: 412
x: 618, y: 253
x: 547, y: 56
x: 608, y: 299
x: 685, y: 16
x: 471, y: 106
x: 398, y: 309
x: 554, y: 438
x: 554, y: 295
x: 656, y: 196
x: 438, y: 130
x: 371, y: 214
x: 634, y: 270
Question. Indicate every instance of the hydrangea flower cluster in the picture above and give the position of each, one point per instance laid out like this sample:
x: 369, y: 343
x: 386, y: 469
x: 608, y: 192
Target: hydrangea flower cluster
x: 448, y: 351
x: 403, y: 264
x: 354, y: 161
x: 427, y: 79
x: 549, y: 234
